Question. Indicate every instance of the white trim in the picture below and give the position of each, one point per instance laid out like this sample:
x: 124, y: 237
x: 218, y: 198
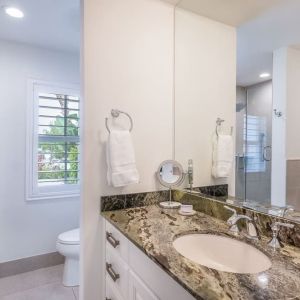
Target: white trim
x: 33, y: 192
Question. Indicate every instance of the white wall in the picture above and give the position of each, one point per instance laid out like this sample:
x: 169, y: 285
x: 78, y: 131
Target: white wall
x: 293, y: 104
x: 28, y: 228
x: 205, y: 89
x: 278, y: 177
x: 128, y: 64
x: 286, y: 142
x: 285, y: 139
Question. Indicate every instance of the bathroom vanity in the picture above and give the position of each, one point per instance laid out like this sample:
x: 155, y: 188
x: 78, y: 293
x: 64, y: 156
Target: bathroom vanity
x: 142, y: 262
x: 130, y: 274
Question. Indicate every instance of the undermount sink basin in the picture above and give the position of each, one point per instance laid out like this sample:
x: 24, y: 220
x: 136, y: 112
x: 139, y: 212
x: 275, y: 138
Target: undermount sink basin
x: 222, y: 253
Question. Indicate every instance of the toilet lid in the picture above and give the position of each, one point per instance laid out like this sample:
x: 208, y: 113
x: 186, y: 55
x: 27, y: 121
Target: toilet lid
x: 70, y: 237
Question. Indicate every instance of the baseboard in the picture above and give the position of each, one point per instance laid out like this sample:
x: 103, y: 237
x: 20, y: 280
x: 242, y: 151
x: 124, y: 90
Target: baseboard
x: 28, y: 264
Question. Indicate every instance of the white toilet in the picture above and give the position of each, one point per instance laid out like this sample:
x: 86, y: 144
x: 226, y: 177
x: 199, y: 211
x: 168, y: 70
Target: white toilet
x: 68, y: 245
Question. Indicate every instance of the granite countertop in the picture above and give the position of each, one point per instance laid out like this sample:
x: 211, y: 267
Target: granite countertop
x: 153, y: 229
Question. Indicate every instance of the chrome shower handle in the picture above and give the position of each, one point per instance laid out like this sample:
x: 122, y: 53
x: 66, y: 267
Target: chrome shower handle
x: 264, y: 153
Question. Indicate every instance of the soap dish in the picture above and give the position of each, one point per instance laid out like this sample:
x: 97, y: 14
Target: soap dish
x: 184, y: 213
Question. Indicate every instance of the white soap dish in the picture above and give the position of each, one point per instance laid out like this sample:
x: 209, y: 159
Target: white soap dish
x: 187, y: 213
x: 170, y: 204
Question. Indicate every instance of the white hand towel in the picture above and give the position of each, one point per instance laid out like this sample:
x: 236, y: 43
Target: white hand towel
x: 222, y: 156
x: 120, y: 156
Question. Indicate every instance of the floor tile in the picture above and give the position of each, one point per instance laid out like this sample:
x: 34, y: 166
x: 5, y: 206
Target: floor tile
x: 30, y: 280
x: 55, y: 291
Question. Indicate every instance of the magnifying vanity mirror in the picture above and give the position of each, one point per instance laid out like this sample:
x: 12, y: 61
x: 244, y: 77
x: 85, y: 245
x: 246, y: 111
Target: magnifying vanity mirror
x: 170, y: 174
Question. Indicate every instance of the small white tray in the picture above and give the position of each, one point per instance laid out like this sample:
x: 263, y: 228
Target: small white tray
x: 183, y: 213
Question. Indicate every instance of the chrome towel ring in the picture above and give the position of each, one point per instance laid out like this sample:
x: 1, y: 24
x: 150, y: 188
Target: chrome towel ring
x: 115, y: 114
x: 219, y: 122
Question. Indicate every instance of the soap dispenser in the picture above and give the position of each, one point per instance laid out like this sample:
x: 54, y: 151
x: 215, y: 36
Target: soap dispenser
x: 190, y: 174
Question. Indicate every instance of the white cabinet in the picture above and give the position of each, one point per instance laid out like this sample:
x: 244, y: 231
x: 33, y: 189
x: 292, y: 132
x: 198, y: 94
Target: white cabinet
x: 131, y: 275
x: 111, y: 292
x: 138, y: 289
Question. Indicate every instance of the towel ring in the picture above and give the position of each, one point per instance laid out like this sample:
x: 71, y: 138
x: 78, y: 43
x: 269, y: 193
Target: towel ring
x: 219, y: 122
x: 115, y: 114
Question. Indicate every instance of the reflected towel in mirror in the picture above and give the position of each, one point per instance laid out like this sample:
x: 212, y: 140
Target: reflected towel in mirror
x: 222, y: 156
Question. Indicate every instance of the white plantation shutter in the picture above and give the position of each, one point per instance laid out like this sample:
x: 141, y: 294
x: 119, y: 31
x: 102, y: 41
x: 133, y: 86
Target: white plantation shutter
x: 254, y: 135
x: 55, y: 142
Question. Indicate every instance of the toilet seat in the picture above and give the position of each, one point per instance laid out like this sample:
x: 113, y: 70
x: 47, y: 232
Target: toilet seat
x: 70, y: 237
x: 68, y: 245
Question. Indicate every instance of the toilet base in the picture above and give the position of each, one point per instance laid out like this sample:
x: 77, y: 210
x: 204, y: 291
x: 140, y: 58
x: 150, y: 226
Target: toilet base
x: 71, y: 272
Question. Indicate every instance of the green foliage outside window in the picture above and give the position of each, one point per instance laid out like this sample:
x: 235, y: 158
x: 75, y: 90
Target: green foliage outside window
x: 59, y: 161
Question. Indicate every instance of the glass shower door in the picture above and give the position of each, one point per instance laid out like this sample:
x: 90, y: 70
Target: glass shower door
x: 253, y: 166
x: 258, y: 139
x: 241, y: 112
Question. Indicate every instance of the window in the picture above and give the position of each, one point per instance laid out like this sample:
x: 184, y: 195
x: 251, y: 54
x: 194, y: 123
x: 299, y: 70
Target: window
x: 254, y: 136
x: 53, y: 142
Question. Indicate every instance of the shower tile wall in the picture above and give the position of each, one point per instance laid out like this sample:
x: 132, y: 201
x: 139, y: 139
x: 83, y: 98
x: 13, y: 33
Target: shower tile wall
x: 293, y: 183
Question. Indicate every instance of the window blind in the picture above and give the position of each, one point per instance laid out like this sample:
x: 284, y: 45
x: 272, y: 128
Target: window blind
x: 58, y: 139
x: 254, y: 136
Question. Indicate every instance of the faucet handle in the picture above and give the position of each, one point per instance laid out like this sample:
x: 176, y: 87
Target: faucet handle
x: 231, y: 221
x: 286, y: 209
x: 276, y: 226
x: 234, y: 215
x: 274, y: 242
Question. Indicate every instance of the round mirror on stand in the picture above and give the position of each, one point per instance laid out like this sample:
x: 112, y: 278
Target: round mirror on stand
x: 170, y: 174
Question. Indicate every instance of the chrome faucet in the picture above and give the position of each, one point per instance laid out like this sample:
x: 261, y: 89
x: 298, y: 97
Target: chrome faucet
x: 190, y: 174
x: 251, y: 233
x: 274, y: 242
x: 286, y: 209
x: 232, y: 225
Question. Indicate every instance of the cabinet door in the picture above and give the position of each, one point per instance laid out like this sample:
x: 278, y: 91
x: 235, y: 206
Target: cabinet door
x: 111, y: 292
x: 138, y: 289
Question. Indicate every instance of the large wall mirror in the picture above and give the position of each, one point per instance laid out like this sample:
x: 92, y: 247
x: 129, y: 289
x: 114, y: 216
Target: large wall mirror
x: 240, y: 61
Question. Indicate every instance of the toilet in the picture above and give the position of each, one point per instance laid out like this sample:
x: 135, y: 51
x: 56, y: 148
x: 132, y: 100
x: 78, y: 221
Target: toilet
x: 68, y: 245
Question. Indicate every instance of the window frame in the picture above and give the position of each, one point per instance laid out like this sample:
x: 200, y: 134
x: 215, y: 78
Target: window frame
x: 33, y: 191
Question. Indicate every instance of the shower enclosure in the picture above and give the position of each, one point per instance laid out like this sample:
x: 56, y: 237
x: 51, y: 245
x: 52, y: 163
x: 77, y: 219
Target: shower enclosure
x: 254, y: 142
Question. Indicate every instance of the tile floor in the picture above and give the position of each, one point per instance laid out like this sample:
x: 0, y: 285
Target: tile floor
x: 42, y: 284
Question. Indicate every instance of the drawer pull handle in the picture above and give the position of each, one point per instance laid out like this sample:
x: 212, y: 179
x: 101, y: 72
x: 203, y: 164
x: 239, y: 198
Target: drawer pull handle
x: 115, y: 243
x: 114, y: 276
x: 107, y: 298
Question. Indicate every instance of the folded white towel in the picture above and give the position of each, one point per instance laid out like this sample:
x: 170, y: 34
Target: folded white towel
x: 120, y: 156
x: 222, y: 156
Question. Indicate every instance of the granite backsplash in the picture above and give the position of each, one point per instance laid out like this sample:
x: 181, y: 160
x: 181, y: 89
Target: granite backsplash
x: 115, y: 202
x: 209, y: 205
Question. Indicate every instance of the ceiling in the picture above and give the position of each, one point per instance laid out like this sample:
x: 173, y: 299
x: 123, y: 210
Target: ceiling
x: 53, y: 24
x: 262, y: 27
x: 231, y: 12
x: 256, y: 40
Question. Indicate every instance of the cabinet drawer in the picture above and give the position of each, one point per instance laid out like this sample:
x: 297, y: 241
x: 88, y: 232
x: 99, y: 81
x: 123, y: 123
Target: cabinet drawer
x: 116, y: 241
x: 111, y: 293
x: 116, y: 272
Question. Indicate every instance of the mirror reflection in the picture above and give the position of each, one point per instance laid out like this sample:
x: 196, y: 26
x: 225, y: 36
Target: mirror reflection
x: 241, y: 65
x: 170, y: 173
